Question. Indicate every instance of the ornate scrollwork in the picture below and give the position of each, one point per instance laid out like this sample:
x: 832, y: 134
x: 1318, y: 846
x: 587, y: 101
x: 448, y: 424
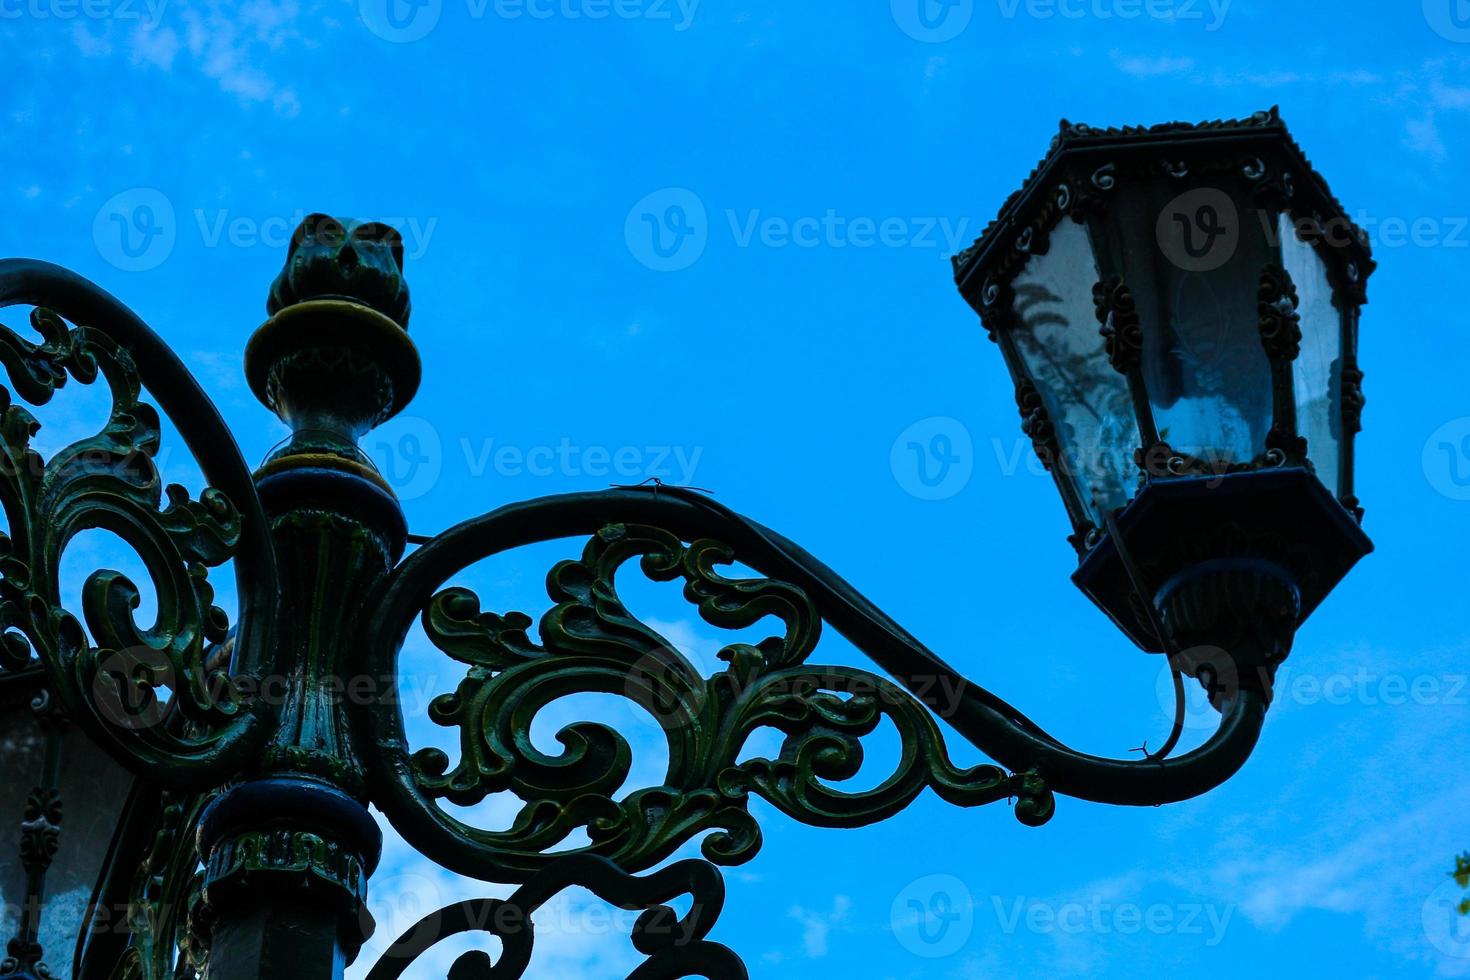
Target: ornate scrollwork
x: 1281, y: 337
x: 107, y: 481
x: 674, y: 946
x: 139, y: 924
x: 590, y: 643
x: 1280, y: 324
x: 40, y: 833
x: 1121, y: 328
x: 1095, y: 189
x: 1353, y: 400
x: 163, y: 900
x: 110, y: 481
x: 40, y: 828
x: 1037, y: 424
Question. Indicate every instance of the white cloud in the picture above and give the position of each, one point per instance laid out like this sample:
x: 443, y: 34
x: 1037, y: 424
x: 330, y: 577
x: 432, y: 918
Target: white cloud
x: 1449, y: 96
x: 816, y: 927
x: 1143, y: 67
x: 576, y: 933
x: 91, y: 45
x: 230, y: 45
x: 1356, y: 77
x: 217, y: 371
x: 156, y: 47
x: 1422, y: 136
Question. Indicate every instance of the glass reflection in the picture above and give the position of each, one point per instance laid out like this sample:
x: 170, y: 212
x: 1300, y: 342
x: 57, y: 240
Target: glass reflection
x: 44, y: 758
x: 1193, y: 261
x: 1317, y: 373
x: 1056, y: 335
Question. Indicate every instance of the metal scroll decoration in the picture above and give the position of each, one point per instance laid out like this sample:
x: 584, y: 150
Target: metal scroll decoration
x: 591, y: 643
x: 110, y: 481
x: 674, y: 946
x: 158, y: 901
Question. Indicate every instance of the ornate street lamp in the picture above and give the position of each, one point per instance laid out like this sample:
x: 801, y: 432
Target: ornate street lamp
x: 1202, y: 438
x: 245, y: 846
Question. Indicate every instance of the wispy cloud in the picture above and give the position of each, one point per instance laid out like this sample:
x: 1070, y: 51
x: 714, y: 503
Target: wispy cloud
x: 1151, y: 67
x: 156, y: 48
x: 817, y: 927
x: 1422, y: 136
x: 231, y: 45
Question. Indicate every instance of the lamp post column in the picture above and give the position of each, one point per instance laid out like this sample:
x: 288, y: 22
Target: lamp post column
x: 288, y: 851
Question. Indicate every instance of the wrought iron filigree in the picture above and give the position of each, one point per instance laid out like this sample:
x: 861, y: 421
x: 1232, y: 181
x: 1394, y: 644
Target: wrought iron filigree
x: 590, y: 643
x: 40, y: 837
x: 158, y: 905
x: 674, y: 946
x: 107, y: 481
x: 1280, y: 323
x: 1119, y: 323
x: 110, y: 481
x: 1281, y: 337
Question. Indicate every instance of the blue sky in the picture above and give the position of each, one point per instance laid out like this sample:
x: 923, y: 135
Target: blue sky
x: 772, y: 345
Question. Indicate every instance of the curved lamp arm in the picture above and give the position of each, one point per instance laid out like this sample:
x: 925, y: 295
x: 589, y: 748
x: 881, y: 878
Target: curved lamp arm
x: 400, y: 786
x: 123, y: 494
x: 992, y: 725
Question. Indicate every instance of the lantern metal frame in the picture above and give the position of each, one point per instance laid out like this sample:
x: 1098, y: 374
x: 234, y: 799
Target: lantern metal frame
x: 1292, y: 528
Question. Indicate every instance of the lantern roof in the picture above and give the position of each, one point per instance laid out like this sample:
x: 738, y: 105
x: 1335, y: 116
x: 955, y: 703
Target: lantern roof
x: 1084, y: 164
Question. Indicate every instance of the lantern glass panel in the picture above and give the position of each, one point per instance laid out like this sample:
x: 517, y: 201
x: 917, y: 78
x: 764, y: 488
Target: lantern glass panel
x: 1056, y: 336
x: 1317, y: 372
x: 92, y: 789
x: 1193, y: 261
x: 22, y: 746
